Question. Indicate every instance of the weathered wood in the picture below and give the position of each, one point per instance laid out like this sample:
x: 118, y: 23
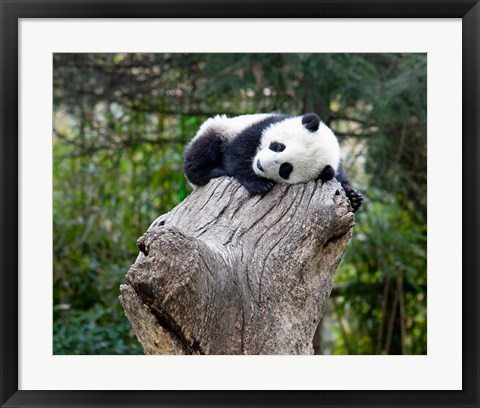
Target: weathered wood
x: 226, y: 273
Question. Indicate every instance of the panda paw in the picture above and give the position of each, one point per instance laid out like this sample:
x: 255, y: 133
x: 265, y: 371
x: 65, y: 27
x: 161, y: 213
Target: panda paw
x: 355, y: 197
x: 327, y: 173
x: 260, y: 186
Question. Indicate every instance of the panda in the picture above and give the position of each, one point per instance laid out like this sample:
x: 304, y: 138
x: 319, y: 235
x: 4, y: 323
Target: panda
x: 261, y: 149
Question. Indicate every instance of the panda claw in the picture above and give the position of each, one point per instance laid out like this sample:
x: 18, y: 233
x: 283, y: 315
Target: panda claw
x: 356, y: 200
x: 260, y: 187
x: 265, y: 188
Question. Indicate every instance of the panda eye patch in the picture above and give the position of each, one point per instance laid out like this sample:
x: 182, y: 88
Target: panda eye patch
x: 277, y: 147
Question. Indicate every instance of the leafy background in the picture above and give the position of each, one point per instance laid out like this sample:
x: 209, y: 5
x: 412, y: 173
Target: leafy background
x: 121, y: 122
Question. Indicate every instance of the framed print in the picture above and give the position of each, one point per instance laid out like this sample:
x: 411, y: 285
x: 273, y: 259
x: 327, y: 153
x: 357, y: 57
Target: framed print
x: 120, y: 86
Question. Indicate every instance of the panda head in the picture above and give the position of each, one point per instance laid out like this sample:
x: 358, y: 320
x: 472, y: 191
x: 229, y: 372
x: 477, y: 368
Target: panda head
x: 296, y: 150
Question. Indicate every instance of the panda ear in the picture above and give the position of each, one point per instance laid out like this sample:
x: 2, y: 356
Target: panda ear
x: 311, y: 121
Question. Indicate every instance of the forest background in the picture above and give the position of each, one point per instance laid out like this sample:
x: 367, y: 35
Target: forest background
x: 121, y: 123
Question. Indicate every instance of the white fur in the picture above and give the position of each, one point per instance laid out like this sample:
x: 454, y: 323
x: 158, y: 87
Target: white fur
x: 229, y: 127
x: 308, y: 152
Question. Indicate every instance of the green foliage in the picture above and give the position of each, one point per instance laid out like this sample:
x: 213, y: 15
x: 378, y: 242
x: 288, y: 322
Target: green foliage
x: 102, y: 203
x: 99, y: 329
x: 121, y: 122
x: 387, y: 244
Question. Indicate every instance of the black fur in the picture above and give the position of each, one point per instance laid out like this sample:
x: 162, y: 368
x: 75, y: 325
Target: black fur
x: 238, y: 155
x: 311, y: 121
x: 277, y: 147
x: 354, y: 196
x: 203, y: 159
x: 285, y: 170
x: 327, y: 173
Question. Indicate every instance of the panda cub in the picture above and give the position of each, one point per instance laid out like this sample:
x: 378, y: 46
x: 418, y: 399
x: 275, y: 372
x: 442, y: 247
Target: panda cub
x: 261, y: 149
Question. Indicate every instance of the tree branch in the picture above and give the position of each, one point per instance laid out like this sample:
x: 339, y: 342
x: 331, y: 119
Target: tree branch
x: 227, y: 273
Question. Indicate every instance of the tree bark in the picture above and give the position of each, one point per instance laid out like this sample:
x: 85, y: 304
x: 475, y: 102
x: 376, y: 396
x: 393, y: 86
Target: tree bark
x: 227, y: 273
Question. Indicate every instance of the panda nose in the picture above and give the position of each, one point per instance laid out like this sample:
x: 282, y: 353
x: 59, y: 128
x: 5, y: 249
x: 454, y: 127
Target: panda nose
x: 259, y: 166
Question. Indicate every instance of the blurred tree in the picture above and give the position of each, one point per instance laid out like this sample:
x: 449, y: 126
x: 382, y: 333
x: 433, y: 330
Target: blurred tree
x: 121, y: 122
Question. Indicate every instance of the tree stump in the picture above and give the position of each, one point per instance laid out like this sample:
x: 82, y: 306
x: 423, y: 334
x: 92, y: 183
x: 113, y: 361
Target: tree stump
x: 229, y: 273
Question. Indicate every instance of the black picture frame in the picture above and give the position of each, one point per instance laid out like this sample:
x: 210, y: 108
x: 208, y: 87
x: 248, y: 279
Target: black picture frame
x: 11, y: 11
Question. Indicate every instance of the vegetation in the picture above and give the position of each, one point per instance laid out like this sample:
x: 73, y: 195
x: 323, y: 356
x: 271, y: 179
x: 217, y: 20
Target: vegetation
x: 121, y: 122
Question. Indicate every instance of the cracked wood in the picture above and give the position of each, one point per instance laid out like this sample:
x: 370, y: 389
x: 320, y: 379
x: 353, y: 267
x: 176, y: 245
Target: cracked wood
x: 228, y: 273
